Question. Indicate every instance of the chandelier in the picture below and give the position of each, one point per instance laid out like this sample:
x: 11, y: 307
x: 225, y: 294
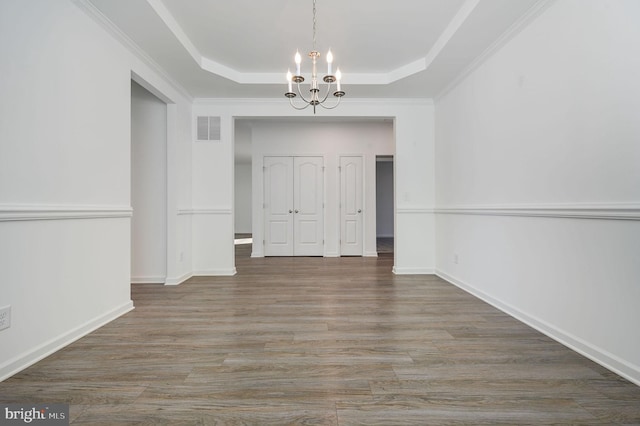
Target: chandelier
x: 315, y: 98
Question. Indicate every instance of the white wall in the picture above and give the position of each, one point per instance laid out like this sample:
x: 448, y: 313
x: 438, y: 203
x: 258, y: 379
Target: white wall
x: 242, y: 174
x: 243, y: 195
x: 179, y: 191
x: 148, y: 187
x: 538, y: 184
x: 213, y: 177
x: 65, y: 176
x: 384, y: 198
x: 213, y: 201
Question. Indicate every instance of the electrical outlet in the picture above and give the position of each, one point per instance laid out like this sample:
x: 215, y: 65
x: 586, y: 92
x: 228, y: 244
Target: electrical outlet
x: 5, y: 317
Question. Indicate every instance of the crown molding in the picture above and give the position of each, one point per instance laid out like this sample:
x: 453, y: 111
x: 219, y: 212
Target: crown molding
x: 459, y: 18
x: 94, y: 13
x: 163, y: 13
x: 524, y: 21
x: 366, y: 101
x: 381, y: 78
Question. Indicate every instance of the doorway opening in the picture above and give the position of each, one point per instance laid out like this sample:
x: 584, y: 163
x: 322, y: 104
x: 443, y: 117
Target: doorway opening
x: 243, y: 193
x: 334, y: 139
x: 148, y: 187
x: 384, y: 204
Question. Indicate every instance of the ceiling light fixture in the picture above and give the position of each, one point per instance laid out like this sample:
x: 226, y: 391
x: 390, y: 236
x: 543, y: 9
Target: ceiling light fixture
x: 314, y: 89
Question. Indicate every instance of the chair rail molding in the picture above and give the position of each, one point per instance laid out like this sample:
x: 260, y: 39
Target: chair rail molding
x: 415, y: 210
x: 607, y: 211
x: 205, y: 211
x: 23, y: 212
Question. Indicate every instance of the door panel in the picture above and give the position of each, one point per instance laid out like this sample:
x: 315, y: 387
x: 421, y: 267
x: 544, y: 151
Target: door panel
x: 351, y: 243
x: 307, y: 233
x: 278, y: 202
x: 351, y: 232
x: 308, y: 206
x: 279, y: 232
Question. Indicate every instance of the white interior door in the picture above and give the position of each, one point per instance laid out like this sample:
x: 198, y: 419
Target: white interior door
x: 293, y: 206
x: 308, y: 204
x: 351, y: 243
x: 278, y: 206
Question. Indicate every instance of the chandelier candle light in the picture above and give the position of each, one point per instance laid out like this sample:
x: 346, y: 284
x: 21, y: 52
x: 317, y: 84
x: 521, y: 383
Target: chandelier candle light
x: 315, y: 98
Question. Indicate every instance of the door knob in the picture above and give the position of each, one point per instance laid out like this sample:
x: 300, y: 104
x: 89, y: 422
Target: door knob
x: 359, y: 210
x: 290, y: 211
x: 296, y: 211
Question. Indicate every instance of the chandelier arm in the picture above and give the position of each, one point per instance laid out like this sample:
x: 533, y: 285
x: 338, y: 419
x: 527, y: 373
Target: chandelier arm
x: 326, y: 96
x: 297, y: 107
x: 301, y: 95
x: 332, y: 107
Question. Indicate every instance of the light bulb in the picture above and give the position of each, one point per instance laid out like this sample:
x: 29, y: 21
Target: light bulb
x: 298, y: 59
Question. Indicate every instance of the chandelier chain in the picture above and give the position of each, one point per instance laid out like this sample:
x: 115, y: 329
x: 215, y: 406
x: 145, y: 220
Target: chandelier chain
x: 314, y: 24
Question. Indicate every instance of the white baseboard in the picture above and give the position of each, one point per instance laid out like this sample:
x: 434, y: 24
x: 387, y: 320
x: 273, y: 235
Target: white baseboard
x: 178, y: 280
x: 148, y: 280
x: 32, y: 356
x: 370, y: 254
x: 215, y: 272
x: 412, y: 271
x: 606, y: 359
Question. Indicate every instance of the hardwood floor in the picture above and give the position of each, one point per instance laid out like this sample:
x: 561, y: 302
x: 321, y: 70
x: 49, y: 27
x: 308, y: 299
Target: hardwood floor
x: 384, y: 244
x: 328, y: 341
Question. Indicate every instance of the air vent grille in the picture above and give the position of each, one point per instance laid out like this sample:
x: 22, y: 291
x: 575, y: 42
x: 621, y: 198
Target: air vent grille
x: 208, y: 128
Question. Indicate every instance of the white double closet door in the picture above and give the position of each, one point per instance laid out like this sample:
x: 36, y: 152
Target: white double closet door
x: 293, y: 206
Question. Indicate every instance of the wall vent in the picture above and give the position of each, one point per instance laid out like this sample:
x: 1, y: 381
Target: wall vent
x: 208, y: 128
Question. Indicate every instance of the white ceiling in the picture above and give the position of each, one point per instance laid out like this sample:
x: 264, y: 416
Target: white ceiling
x: 243, y: 48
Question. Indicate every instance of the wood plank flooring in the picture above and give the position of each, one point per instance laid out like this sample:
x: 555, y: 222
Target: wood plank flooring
x: 384, y: 244
x: 335, y: 341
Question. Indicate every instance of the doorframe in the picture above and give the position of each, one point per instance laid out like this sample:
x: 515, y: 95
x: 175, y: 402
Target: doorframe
x: 257, y: 164
x: 391, y: 159
x: 170, y: 193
